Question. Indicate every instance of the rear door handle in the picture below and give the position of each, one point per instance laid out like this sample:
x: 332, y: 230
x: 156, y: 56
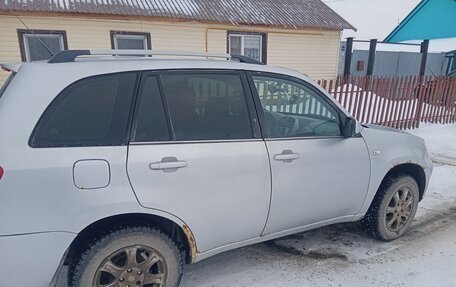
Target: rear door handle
x: 168, y: 164
x: 286, y: 156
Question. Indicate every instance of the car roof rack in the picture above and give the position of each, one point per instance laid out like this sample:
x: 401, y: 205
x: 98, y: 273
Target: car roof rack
x: 68, y: 56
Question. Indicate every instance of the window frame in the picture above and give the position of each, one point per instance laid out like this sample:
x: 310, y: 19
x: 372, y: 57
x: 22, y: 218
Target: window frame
x: 253, y: 117
x: 138, y: 100
x: 263, y: 43
x: 260, y: 112
x: 57, y: 99
x: 23, y: 45
x: 129, y: 34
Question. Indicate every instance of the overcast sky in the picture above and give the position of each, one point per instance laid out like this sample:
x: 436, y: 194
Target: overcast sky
x: 372, y: 18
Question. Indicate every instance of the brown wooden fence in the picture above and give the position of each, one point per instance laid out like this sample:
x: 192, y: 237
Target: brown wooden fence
x: 398, y: 102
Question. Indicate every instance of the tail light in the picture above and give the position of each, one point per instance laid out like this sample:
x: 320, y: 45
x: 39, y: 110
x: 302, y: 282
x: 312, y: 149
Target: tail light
x: 1, y: 172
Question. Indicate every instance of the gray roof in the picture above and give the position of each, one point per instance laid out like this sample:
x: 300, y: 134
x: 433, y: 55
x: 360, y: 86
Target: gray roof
x: 276, y: 13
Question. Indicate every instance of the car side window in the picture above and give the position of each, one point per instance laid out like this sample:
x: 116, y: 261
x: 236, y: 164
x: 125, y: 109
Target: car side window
x: 91, y: 112
x: 150, y: 118
x: 292, y: 109
x: 207, y: 106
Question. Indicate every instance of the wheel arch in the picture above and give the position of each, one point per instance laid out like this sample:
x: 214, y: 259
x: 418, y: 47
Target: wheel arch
x: 180, y: 233
x: 411, y: 169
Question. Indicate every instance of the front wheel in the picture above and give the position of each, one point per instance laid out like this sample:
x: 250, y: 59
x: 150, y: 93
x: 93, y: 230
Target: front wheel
x: 393, y: 208
x: 130, y: 256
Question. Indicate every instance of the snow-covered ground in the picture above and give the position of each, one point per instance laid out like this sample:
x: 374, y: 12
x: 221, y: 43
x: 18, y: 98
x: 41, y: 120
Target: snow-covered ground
x: 342, y: 255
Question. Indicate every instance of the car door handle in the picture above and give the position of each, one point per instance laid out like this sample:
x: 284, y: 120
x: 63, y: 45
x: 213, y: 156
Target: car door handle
x: 168, y: 164
x: 286, y: 156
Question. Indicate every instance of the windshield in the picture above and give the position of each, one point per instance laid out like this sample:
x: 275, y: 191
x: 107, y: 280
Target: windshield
x: 5, y: 85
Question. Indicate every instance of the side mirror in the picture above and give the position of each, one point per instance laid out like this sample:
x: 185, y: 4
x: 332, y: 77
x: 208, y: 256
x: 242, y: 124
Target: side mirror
x: 349, y: 127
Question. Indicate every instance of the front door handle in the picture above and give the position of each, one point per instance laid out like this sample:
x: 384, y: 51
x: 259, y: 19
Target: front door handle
x: 286, y: 156
x: 168, y: 164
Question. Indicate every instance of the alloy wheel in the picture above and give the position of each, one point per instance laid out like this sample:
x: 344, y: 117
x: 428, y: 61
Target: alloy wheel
x: 132, y: 266
x: 399, y: 209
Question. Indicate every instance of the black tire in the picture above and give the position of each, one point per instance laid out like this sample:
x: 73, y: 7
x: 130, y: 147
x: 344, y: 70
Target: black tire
x: 380, y: 213
x: 85, y: 271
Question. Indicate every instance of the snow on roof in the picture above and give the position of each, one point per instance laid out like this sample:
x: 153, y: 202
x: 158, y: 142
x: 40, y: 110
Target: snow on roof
x: 285, y: 13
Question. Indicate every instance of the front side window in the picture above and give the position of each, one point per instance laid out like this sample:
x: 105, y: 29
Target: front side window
x: 207, y: 106
x: 130, y: 40
x: 292, y: 109
x: 250, y: 45
x: 40, y: 45
x: 91, y: 112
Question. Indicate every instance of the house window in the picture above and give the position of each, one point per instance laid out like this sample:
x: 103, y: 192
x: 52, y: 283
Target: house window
x: 37, y: 45
x: 130, y: 40
x: 252, y: 45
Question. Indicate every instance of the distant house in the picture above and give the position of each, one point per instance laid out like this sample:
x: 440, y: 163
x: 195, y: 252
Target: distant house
x: 431, y: 19
x: 299, y: 34
x: 434, y: 20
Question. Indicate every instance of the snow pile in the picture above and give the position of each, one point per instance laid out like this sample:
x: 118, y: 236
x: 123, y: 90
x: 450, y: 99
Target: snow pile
x: 374, y: 108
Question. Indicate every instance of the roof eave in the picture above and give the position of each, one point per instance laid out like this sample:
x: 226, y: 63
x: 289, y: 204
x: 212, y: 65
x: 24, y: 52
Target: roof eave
x: 404, y: 22
x: 346, y: 26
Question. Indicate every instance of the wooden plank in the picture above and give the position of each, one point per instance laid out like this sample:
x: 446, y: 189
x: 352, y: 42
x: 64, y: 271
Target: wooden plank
x: 420, y: 112
x: 359, y: 97
x: 447, y: 99
x: 443, y: 98
x: 400, y: 103
x: 412, y: 101
x: 403, y: 102
x: 349, y: 95
x: 436, y: 100
x: 430, y: 95
x: 397, y: 98
x: 330, y: 88
x: 453, y: 102
x: 344, y: 90
x: 390, y: 103
x: 383, y: 92
x: 380, y: 100
x: 371, y: 97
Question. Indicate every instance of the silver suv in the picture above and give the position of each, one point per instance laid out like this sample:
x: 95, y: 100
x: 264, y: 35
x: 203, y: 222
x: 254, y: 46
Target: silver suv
x: 122, y: 167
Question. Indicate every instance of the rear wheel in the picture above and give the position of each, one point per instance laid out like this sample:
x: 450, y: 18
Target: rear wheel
x: 131, y: 256
x: 393, y: 208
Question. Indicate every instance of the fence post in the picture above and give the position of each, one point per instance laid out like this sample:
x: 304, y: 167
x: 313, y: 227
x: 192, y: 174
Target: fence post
x: 371, y: 60
x: 348, y: 56
x: 420, y: 101
x: 424, y: 54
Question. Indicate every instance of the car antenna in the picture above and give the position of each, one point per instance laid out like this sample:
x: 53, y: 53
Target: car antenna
x: 34, y: 35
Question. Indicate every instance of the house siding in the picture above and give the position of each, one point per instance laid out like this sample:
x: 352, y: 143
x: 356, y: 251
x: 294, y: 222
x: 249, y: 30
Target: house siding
x: 314, y: 52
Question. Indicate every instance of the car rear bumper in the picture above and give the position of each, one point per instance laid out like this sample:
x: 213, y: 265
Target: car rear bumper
x: 32, y: 259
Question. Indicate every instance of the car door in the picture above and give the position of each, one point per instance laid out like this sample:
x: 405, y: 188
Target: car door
x: 195, y: 153
x: 317, y: 174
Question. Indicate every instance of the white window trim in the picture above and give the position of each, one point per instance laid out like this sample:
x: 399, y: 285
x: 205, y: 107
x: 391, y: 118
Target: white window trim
x: 242, y: 36
x: 26, y: 44
x: 131, y: 37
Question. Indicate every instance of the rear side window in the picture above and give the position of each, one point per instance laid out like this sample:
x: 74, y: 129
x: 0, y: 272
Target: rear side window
x: 91, y: 112
x: 7, y: 82
x: 205, y: 106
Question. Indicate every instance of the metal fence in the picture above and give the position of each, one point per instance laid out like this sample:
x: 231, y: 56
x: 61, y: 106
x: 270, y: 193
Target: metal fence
x: 398, y: 102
